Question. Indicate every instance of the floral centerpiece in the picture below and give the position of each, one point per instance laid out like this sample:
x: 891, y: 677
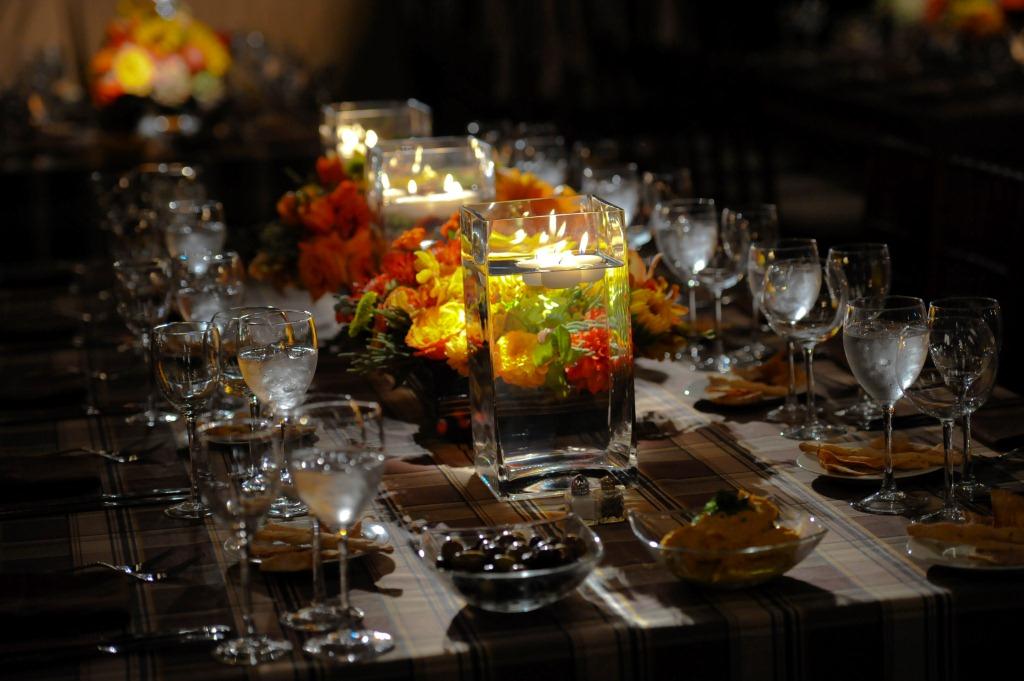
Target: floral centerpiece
x: 159, y: 51
x: 409, y: 321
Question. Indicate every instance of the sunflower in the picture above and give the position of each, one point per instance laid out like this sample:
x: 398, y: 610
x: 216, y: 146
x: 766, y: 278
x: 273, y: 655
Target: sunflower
x: 654, y: 311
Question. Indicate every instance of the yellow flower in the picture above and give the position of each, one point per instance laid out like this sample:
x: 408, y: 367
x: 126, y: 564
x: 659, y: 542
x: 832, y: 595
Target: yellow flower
x: 436, y: 286
x: 133, y: 68
x: 215, y: 55
x: 434, y: 327
x: 513, y: 361
x: 653, y: 311
x: 163, y: 36
x: 403, y: 298
x: 457, y: 351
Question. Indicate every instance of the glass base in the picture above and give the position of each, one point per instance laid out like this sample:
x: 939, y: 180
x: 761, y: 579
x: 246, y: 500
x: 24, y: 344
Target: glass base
x: 720, y: 363
x: 791, y: 415
x: 889, y: 502
x: 316, y: 619
x: 753, y: 353
x: 861, y: 413
x: 971, y: 490
x: 151, y: 417
x: 814, y: 431
x: 284, y: 507
x: 188, y: 510
x: 351, y: 645
x: 946, y: 514
x: 251, y: 651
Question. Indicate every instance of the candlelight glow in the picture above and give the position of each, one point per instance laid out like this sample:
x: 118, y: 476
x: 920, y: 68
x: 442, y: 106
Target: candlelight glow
x: 411, y: 187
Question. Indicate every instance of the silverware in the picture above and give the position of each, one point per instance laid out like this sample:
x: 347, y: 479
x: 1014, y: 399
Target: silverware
x: 142, y: 494
x: 120, y: 456
x: 147, y: 570
x: 98, y: 503
x: 138, y: 642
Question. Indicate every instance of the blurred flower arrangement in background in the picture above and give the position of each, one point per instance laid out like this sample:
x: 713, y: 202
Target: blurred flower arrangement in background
x: 159, y: 51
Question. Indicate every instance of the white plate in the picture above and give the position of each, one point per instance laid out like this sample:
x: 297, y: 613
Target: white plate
x: 810, y: 463
x: 370, y: 529
x: 951, y: 555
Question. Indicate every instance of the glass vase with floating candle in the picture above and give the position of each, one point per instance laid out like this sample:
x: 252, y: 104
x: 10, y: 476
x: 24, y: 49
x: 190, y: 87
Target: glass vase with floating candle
x: 425, y: 181
x: 351, y: 129
x: 550, y: 351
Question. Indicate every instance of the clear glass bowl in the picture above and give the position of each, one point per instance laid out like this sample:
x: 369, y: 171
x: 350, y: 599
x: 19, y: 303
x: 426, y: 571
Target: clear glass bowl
x: 518, y: 591
x: 727, y: 568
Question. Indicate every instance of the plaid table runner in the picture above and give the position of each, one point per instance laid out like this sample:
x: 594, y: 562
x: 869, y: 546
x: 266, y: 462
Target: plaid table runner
x: 856, y: 608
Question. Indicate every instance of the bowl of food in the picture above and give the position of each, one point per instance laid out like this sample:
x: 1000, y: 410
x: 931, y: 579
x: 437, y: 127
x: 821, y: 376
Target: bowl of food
x: 736, y: 540
x: 514, y: 568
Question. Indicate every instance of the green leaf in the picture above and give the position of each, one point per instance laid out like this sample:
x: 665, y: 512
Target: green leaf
x: 364, y: 313
x: 543, y: 352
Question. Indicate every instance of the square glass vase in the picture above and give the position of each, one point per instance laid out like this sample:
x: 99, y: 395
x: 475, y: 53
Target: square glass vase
x: 550, y: 351
x: 424, y: 181
x: 349, y: 129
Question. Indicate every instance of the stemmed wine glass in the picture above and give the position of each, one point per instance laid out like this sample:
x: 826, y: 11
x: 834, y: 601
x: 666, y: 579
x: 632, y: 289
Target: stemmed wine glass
x: 143, y: 292
x: 685, y: 231
x: 805, y: 299
x: 989, y: 310
x: 185, y: 356
x: 868, y: 270
x: 239, y: 466
x: 758, y: 259
x: 319, y: 424
x: 231, y: 380
x: 337, y: 477
x: 208, y: 284
x: 277, y: 355
x: 762, y: 226
x: 195, y: 228
x: 875, y: 331
x: 723, y: 270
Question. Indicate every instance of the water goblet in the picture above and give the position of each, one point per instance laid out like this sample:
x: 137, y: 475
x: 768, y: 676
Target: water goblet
x: 231, y: 380
x: 874, y: 331
x: 723, y: 269
x: 990, y: 311
x: 762, y: 226
x: 321, y: 423
x: 338, y: 477
x: 760, y: 255
x: 143, y: 292
x: 239, y: 465
x: 194, y: 228
x: 805, y: 299
x: 619, y: 185
x: 185, y: 358
x: 208, y: 284
x: 277, y: 355
x: 868, y: 270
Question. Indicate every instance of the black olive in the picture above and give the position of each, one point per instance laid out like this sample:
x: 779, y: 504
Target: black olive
x: 469, y: 561
x: 535, y: 540
x: 451, y: 548
x: 576, y: 546
x: 517, y: 550
x: 441, y: 563
x: 490, y: 549
x: 505, y: 540
x: 504, y: 563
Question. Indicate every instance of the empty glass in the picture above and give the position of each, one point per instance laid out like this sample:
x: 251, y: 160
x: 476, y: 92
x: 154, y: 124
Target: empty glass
x: 723, y: 269
x: 619, y: 185
x: 805, y: 299
x: 143, y: 292
x: 762, y: 226
x: 868, y: 271
x: 209, y: 284
x: 337, y: 477
x: 185, y: 358
x: 239, y: 463
x: 875, y: 331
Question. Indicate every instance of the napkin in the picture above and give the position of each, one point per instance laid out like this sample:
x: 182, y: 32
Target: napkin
x: 753, y: 384
x: 37, y: 478
x: 40, y: 606
x: 865, y: 460
x: 1000, y: 425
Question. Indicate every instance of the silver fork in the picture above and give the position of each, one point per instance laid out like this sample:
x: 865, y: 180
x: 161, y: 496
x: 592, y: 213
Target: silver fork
x: 142, y: 571
x: 117, y: 455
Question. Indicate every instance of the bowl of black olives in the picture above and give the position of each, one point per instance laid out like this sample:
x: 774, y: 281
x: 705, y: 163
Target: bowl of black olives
x: 514, y: 568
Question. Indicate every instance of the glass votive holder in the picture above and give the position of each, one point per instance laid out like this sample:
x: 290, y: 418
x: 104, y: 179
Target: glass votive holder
x: 349, y: 129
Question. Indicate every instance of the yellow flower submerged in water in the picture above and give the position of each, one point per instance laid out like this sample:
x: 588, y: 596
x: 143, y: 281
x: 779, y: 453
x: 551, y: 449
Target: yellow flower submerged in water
x: 513, y: 361
x: 133, y: 68
x: 654, y: 311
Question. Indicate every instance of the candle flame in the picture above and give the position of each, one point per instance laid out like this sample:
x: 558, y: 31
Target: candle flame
x: 519, y: 236
x: 385, y: 181
x: 544, y: 237
x: 370, y: 139
x: 417, y: 160
x: 551, y: 223
x: 561, y: 231
x: 583, y: 243
x: 412, y: 186
x: 451, y: 185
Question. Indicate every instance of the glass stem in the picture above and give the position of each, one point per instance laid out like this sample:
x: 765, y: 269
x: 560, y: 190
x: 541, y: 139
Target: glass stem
x: 150, y: 379
x: 319, y: 589
x: 190, y: 427
x: 791, y: 394
x: 966, y: 466
x: 693, y: 307
x: 343, y: 572
x: 243, y: 568
x: 947, y: 460
x: 719, y: 344
x: 812, y: 413
x: 254, y: 408
x: 888, y: 481
x: 755, y: 324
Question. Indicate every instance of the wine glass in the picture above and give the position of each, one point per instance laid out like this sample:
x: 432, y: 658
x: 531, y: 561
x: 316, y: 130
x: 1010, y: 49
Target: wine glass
x: 239, y: 466
x: 320, y: 423
x: 760, y: 255
x: 874, y: 331
x: 990, y: 311
x: 185, y: 358
x: 338, y: 477
x: 231, y: 381
x: 868, y: 271
x: 685, y: 231
x: 619, y: 185
x: 723, y: 270
x: 805, y: 299
x: 762, y: 226
x: 194, y: 228
x: 277, y: 355
x: 208, y: 284
x: 143, y: 292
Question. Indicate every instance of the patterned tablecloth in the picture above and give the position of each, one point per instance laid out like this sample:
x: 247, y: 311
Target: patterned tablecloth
x: 858, y: 607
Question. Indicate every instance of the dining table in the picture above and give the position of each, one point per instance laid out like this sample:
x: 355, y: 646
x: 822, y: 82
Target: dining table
x: 857, y: 607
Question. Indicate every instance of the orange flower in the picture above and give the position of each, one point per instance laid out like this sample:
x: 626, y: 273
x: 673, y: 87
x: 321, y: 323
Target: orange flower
x: 317, y: 215
x: 287, y: 209
x: 434, y: 327
x: 351, y: 211
x: 403, y: 298
x: 401, y: 266
x: 512, y: 185
x: 592, y: 370
x: 322, y: 264
x: 360, y: 257
x: 330, y: 171
x: 410, y: 240
x: 448, y: 253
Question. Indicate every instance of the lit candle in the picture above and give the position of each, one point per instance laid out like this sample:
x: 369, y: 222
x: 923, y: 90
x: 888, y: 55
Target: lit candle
x: 562, y: 269
x: 407, y: 208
